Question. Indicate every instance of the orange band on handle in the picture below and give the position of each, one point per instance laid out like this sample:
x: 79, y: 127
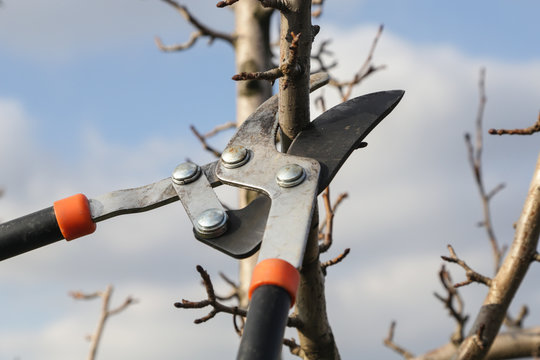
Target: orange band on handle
x: 73, y: 216
x: 276, y: 272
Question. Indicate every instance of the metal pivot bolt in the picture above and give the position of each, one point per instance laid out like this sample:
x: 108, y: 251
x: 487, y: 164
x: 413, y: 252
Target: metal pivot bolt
x: 185, y: 173
x: 211, y: 223
x: 290, y: 175
x: 234, y: 156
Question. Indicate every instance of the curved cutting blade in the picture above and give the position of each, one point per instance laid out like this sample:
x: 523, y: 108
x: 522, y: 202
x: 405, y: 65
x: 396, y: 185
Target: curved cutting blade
x: 333, y: 136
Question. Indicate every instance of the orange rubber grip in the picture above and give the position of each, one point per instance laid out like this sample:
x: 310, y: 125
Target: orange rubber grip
x: 276, y: 272
x: 73, y: 216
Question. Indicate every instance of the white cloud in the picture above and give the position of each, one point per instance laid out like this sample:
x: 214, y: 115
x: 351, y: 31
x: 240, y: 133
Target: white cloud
x: 411, y: 194
x: 59, y: 30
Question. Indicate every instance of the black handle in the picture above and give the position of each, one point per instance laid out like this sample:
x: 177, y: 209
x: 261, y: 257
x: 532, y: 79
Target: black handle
x: 265, y: 325
x: 28, y: 233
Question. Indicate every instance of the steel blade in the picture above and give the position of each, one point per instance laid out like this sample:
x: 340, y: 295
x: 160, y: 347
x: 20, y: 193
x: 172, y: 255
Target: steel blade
x: 333, y: 136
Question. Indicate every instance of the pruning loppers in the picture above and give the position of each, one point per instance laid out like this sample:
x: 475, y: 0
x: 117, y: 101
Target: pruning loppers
x: 277, y: 222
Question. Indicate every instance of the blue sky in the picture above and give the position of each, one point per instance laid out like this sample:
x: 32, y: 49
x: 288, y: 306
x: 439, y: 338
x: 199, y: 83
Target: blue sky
x: 88, y: 104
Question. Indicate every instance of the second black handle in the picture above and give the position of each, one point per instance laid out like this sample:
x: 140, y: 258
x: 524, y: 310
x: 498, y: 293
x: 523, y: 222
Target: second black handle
x: 267, y: 316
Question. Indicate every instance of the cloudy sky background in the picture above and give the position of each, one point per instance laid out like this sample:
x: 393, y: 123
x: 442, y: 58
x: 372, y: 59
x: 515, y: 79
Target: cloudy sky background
x: 88, y: 104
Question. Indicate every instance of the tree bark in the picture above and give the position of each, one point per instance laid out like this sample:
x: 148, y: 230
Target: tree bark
x: 316, y: 337
x: 294, y: 88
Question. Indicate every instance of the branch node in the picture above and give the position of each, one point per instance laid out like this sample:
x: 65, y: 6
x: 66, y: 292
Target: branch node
x: 472, y: 276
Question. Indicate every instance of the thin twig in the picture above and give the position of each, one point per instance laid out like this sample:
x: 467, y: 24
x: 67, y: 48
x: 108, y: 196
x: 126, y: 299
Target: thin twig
x: 527, y: 131
x: 472, y: 276
x: 335, y: 260
x: 367, y: 69
x: 205, y: 145
x: 211, y: 300
x: 287, y: 69
x: 220, y: 128
x: 318, y: 57
x: 455, y: 310
x: 218, y: 307
x: 235, y: 289
x: 517, y: 323
x: 389, y: 342
x: 475, y: 160
x: 202, y: 30
x: 106, y: 312
x: 326, y: 228
x: 536, y: 257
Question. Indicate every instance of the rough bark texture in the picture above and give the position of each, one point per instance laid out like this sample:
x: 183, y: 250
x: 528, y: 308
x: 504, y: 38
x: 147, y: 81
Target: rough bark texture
x: 505, y: 284
x: 294, y: 89
x: 316, y: 337
x: 252, y: 51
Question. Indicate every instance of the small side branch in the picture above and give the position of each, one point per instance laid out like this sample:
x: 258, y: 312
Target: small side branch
x: 475, y: 159
x: 389, y: 342
x: 506, y: 283
x: 536, y: 257
x: 203, y: 137
x: 201, y: 31
x: 455, y: 309
x: 211, y: 300
x: 106, y: 312
x: 327, y: 227
x: 335, y: 260
x: 517, y: 322
x: 318, y: 57
x: 218, y: 307
x: 472, y: 276
x: 367, y: 69
x: 287, y: 69
x: 527, y: 131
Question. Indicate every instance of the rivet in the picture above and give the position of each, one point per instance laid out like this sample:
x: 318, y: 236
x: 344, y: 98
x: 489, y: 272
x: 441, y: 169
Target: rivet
x: 211, y: 223
x: 290, y: 175
x: 234, y: 156
x: 185, y: 173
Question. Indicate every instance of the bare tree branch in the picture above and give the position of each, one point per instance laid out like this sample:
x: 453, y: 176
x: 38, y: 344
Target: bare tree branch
x: 318, y: 57
x: 235, y: 289
x: 389, y: 342
x: 536, y: 257
x: 218, y: 307
x: 326, y: 228
x: 335, y: 260
x: 475, y: 160
x: 204, y: 143
x: 517, y: 322
x: 527, y: 131
x: 515, y: 344
x: 106, y: 312
x: 367, y: 69
x: 456, y: 310
x: 508, y: 279
x: 202, y: 31
x: 472, y: 276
